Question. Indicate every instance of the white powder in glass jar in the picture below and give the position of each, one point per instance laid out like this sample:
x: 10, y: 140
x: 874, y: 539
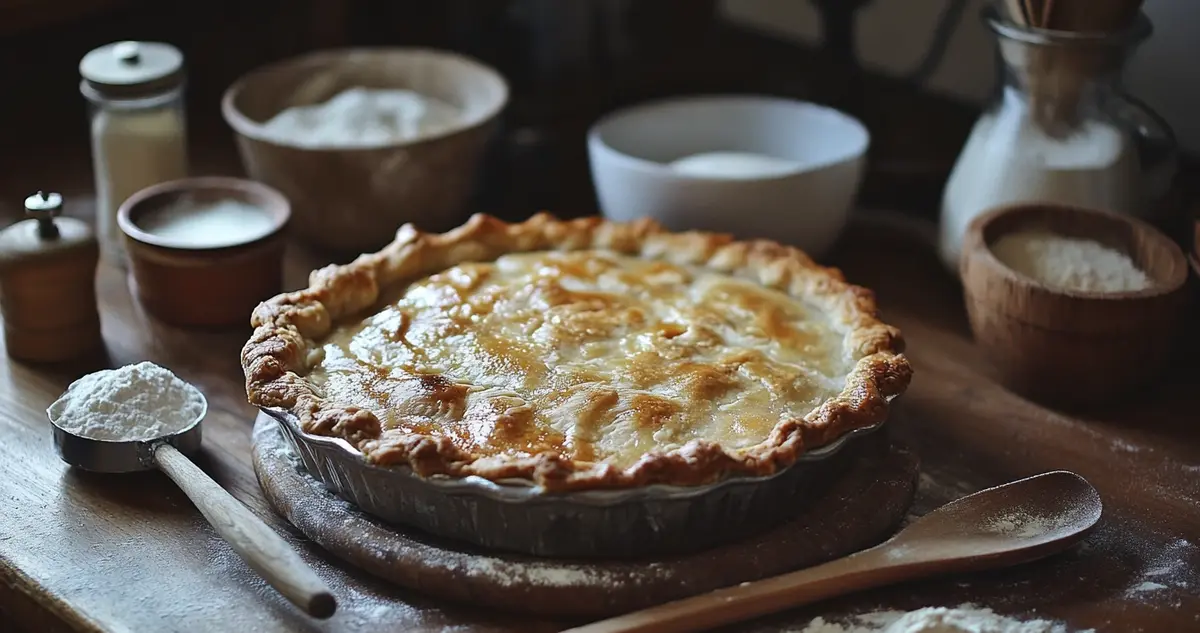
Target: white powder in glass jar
x: 135, y: 402
x: 1069, y: 263
x: 363, y: 117
x: 1009, y: 159
x: 132, y: 150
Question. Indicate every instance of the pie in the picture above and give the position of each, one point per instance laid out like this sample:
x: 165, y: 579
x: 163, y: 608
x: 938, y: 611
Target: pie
x: 577, y: 354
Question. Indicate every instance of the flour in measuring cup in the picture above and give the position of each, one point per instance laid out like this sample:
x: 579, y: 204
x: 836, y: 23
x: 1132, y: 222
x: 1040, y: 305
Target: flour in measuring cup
x: 134, y: 402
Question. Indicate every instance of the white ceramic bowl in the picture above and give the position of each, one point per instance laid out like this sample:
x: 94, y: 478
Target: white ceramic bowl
x: 806, y: 206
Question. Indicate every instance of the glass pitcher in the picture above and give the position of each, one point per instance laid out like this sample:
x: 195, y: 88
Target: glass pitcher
x: 1060, y: 130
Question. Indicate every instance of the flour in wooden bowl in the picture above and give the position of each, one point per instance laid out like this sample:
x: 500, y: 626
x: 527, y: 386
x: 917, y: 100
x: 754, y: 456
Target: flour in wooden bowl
x: 363, y: 117
x: 1069, y: 263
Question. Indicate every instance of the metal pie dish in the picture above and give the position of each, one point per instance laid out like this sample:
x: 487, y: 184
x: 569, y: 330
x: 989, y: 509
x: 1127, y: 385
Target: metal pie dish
x: 517, y: 516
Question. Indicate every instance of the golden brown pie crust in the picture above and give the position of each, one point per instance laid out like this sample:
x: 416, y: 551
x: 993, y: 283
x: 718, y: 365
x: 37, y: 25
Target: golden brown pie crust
x: 288, y: 330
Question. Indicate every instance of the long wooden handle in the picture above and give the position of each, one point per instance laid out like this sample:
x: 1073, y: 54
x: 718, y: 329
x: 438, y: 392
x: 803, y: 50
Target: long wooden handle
x: 264, y: 550
x: 870, y: 568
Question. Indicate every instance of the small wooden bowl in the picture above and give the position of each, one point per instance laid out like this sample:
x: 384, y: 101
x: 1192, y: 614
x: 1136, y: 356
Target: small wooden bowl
x: 354, y: 199
x: 204, y: 287
x: 1065, y: 347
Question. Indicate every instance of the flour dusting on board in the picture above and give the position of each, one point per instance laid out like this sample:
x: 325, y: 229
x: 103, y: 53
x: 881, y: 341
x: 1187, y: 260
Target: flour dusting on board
x: 497, y: 571
x: 509, y: 572
x: 965, y: 618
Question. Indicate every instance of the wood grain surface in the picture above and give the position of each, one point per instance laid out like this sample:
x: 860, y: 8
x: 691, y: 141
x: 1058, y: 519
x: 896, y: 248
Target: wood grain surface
x: 130, y: 553
x: 861, y: 504
x: 261, y: 547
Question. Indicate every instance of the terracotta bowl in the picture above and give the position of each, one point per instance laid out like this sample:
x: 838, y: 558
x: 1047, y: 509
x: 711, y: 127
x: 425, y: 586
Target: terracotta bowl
x: 1065, y: 347
x: 354, y: 199
x: 205, y: 287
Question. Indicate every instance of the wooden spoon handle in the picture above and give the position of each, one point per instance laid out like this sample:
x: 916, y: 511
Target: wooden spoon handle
x: 870, y: 568
x: 264, y: 550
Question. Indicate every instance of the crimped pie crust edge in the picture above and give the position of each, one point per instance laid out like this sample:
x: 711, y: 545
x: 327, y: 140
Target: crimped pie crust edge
x: 288, y: 326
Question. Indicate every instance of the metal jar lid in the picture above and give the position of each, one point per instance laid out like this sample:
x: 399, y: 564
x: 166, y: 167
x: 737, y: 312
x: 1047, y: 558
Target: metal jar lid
x: 129, y: 70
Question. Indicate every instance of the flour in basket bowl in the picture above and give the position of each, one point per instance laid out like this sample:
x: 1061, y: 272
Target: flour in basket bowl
x: 1069, y: 263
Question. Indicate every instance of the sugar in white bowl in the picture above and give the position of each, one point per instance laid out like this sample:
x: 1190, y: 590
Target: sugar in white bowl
x: 752, y: 166
x: 733, y: 165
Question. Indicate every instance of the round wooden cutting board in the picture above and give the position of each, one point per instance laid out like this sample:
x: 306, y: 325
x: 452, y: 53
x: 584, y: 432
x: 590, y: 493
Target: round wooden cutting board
x: 860, y: 508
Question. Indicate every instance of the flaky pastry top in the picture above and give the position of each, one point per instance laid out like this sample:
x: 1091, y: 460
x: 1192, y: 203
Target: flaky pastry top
x: 579, y: 354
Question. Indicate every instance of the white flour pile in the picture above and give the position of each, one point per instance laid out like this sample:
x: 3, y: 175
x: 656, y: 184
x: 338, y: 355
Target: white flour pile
x: 363, y: 117
x: 964, y: 618
x: 1069, y: 263
x: 135, y: 402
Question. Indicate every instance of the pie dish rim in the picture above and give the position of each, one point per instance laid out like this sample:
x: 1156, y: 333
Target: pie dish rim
x: 601, y: 524
x: 522, y: 491
x: 289, y: 326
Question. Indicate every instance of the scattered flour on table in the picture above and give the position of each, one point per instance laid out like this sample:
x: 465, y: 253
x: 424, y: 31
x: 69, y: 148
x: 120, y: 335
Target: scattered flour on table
x: 1147, y: 586
x: 935, y: 490
x: 944, y: 487
x: 965, y: 618
x: 135, y: 402
x: 1170, y: 569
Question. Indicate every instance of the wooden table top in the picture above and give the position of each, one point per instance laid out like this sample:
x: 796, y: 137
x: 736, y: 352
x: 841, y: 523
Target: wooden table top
x: 130, y: 553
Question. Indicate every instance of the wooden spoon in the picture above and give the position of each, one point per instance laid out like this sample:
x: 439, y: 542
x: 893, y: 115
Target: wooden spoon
x: 1010, y: 524
x: 264, y: 550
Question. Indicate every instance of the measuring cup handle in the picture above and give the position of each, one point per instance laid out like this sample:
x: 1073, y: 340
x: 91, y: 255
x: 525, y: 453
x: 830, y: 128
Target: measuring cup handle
x: 264, y: 550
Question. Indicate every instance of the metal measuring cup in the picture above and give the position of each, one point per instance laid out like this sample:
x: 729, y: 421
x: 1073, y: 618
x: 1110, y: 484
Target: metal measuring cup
x: 264, y: 550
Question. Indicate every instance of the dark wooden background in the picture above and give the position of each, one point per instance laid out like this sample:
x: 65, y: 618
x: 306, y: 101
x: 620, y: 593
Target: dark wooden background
x: 537, y: 162
x: 961, y: 421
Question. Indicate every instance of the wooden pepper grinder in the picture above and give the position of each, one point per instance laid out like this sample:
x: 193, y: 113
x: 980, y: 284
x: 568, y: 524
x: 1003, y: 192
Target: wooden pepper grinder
x: 48, y: 285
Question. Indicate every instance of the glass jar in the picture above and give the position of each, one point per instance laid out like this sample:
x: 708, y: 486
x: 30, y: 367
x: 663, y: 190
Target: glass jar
x: 1061, y: 130
x: 138, y: 127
